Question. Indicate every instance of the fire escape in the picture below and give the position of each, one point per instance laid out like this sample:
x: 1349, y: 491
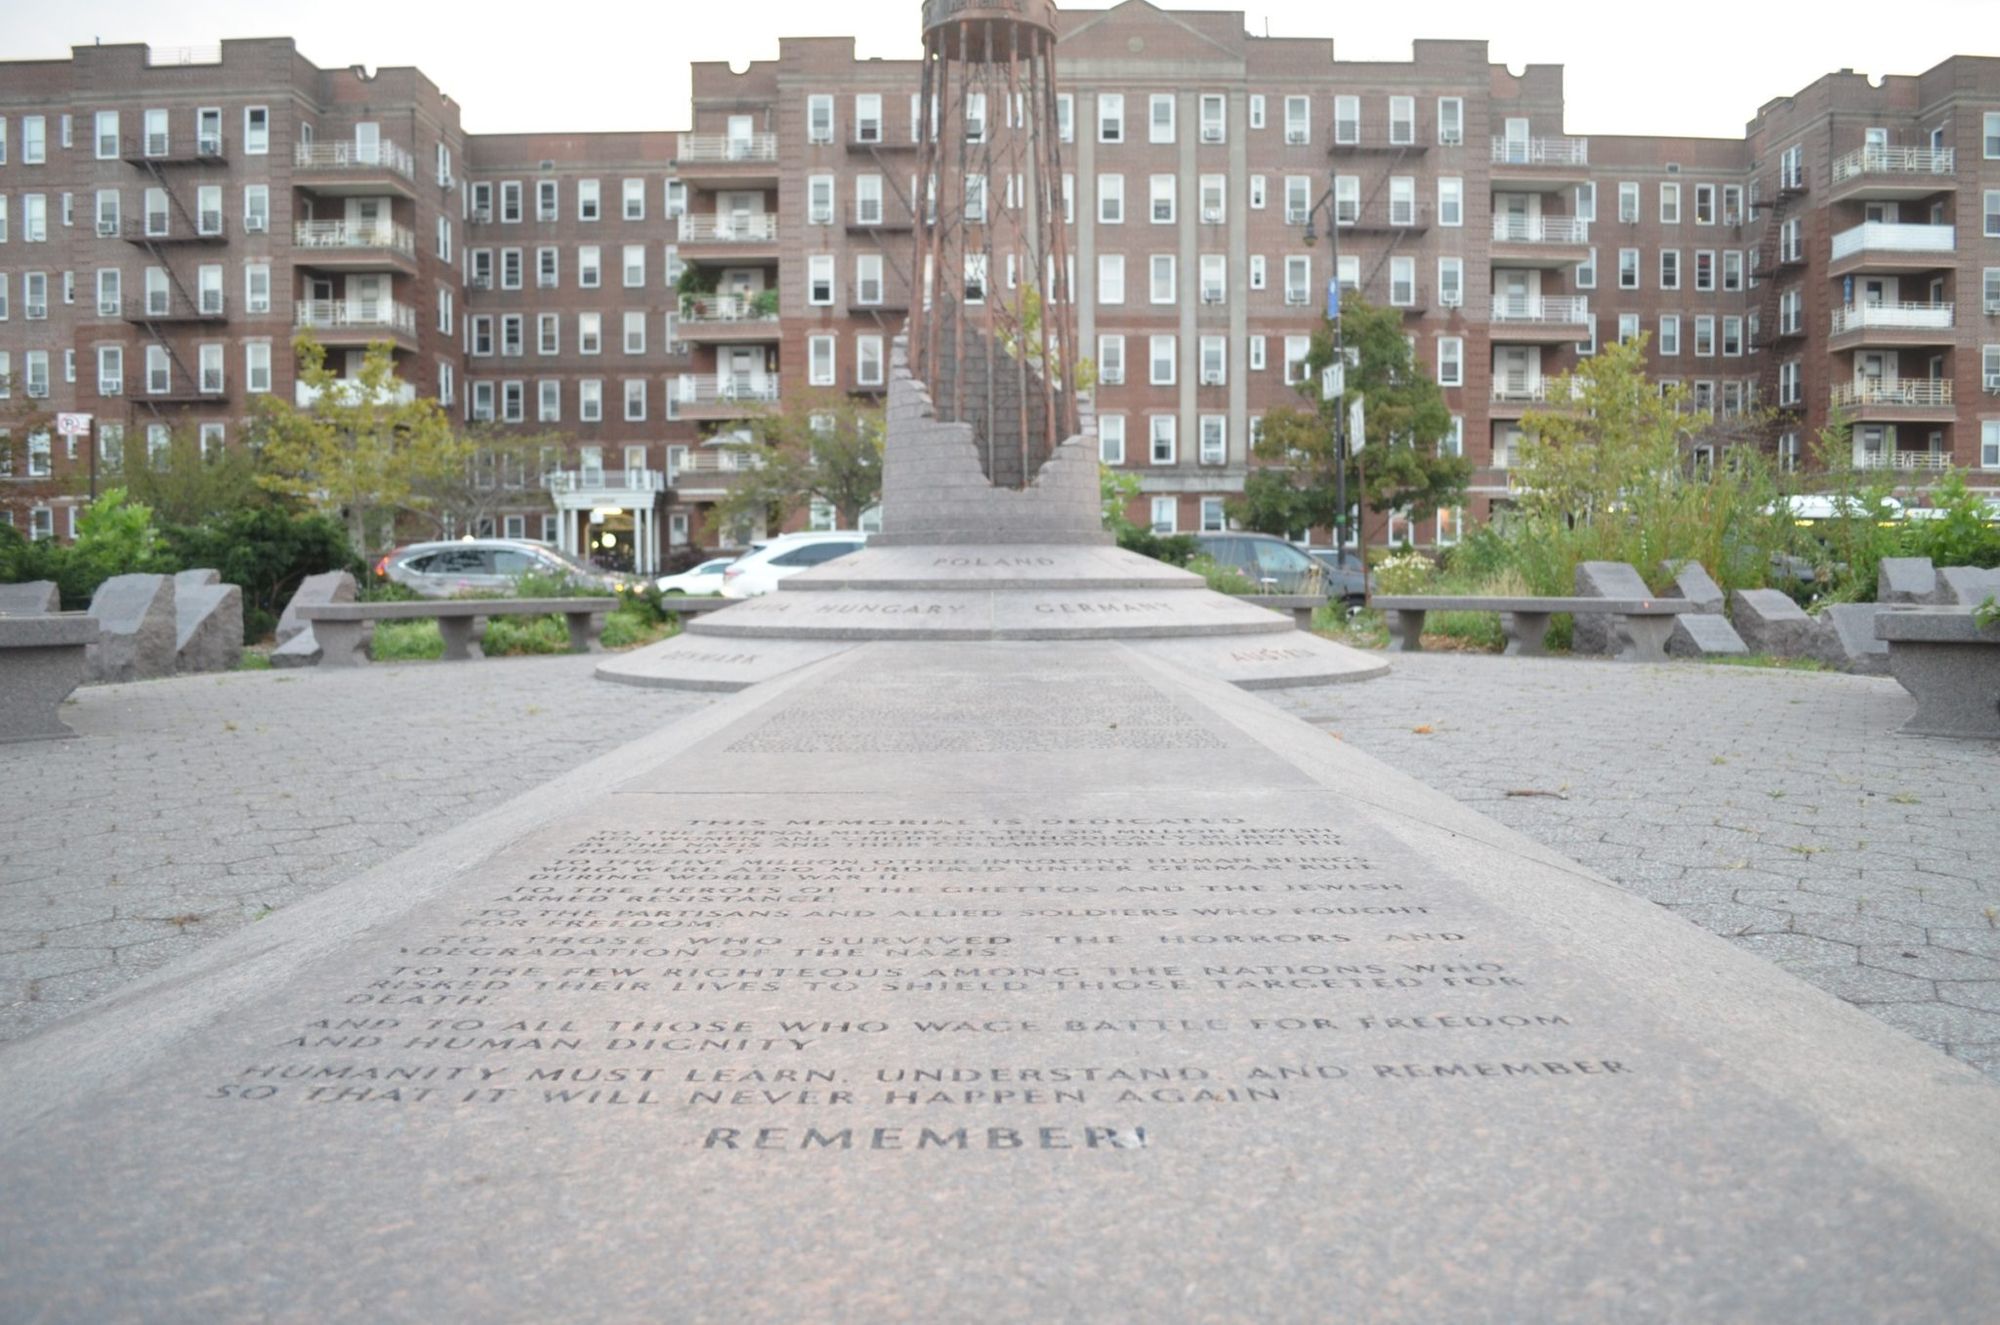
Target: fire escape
x: 1777, y: 263
x: 1390, y: 154
x: 895, y: 214
x: 166, y: 225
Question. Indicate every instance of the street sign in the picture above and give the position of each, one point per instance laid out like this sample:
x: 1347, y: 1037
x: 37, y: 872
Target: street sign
x: 1333, y: 381
x: 72, y: 425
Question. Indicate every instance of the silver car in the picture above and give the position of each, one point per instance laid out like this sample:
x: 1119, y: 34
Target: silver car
x: 487, y: 565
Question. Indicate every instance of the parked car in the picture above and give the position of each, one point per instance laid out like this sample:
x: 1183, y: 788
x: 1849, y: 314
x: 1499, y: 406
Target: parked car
x: 1267, y: 561
x: 703, y: 579
x: 487, y: 565
x: 759, y: 570
x: 1346, y: 575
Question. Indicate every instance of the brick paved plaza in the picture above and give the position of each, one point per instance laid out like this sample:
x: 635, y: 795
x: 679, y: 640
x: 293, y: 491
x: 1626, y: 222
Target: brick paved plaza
x: 1778, y: 808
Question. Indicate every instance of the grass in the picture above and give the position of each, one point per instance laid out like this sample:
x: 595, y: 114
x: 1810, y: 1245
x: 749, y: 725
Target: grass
x: 253, y: 661
x: 515, y: 637
x: 1765, y: 660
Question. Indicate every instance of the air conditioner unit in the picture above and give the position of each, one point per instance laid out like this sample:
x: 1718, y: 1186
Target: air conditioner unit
x: 107, y: 229
x: 1451, y: 301
x: 1112, y: 378
x: 1211, y: 296
x: 1295, y: 136
x: 256, y: 224
x: 482, y: 282
x: 482, y: 215
x: 1211, y: 134
x: 1451, y: 138
x: 110, y: 388
x: 1211, y: 379
x: 1993, y: 382
x: 1211, y: 215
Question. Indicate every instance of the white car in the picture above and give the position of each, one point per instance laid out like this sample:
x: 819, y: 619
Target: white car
x: 703, y: 579
x: 758, y: 572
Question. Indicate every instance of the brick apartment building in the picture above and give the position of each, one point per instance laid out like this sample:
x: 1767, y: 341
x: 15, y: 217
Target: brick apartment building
x: 168, y: 221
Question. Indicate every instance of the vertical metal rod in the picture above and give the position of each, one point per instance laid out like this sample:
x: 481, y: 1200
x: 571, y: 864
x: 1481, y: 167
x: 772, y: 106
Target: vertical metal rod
x: 954, y: 126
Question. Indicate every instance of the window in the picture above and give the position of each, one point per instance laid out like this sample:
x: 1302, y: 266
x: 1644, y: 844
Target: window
x: 1732, y: 204
x: 1790, y: 391
x: 867, y: 117
x: 868, y: 278
x: 1402, y: 200
x: 1257, y: 281
x: 1111, y: 439
x: 1111, y: 360
x: 37, y: 362
x: 1791, y: 241
x: 34, y: 140
x: 1792, y: 167
x: 1162, y: 278
x: 1628, y: 202
x: 1160, y: 429
x: 590, y: 400
x: 868, y: 360
x: 110, y: 370
x: 588, y: 267
x: 1214, y: 278
x: 1628, y: 327
x: 1160, y: 118
x: 1402, y: 281
x: 1670, y: 204
x: 634, y: 265
x: 1165, y: 513
x: 975, y: 117
x: 1451, y: 200
x: 1670, y: 269
x: 819, y: 279
x: 1992, y: 210
x: 1989, y: 429
x: 1586, y: 201
x: 1213, y: 439
x: 1402, y: 121
x: 1451, y: 361
x: 819, y: 199
x: 510, y: 202
x: 35, y: 216
x: 1451, y: 282
x: 1212, y: 118
x: 1162, y: 353
x: 1298, y: 120
x: 1066, y: 117
x: 587, y: 200
x: 1110, y: 278
x: 635, y: 331
x: 589, y: 333
x: 510, y: 268
x: 256, y: 287
x: 1162, y: 195
x: 548, y: 401
x: 548, y: 333
x: 110, y: 291
x: 819, y: 360
x: 1586, y: 271
x: 1704, y: 270
x: 1214, y: 360
x: 1990, y: 291
x: 443, y: 248
x: 1704, y: 204
x: 1110, y: 117
x: 545, y: 200
x: 1257, y: 110
x: 548, y: 270
x: 1732, y: 337
x: 1111, y: 199
x: 1704, y: 336
x: 1296, y: 349
x: 481, y: 204
x: 1732, y: 269
x: 209, y: 361
x: 1257, y: 186
x: 1257, y: 354
x: 1451, y: 121
x: 35, y: 294
x: 106, y: 134
x: 1298, y: 281
x: 868, y: 200
x: 634, y: 191
x: 635, y: 399
x: 1298, y: 198
x: 1670, y: 335
x: 1346, y: 199
x: 819, y: 118
x: 256, y: 130
x: 1347, y: 120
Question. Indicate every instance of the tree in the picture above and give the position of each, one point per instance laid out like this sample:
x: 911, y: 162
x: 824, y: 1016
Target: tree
x: 817, y: 445
x: 361, y: 449
x: 184, y: 486
x: 500, y: 473
x: 1406, y: 467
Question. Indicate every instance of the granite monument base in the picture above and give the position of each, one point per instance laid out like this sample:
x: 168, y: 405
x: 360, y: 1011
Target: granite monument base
x: 1008, y: 981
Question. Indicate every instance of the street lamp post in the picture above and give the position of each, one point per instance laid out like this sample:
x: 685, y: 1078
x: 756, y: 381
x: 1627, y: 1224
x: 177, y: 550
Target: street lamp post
x: 1340, y: 357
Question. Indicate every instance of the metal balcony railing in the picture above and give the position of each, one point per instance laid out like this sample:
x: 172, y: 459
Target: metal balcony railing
x: 605, y: 480
x: 707, y: 309
x: 1892, y: 317
x: 356, y: 315
x: 1895, y: 161
x: 1563, y: 309
x: 726, y: 388
x: 729, y: 228
x: 341, y: 235
x: 1541, y: 151
x: 710, y: 147
x: 1893, y: 237
x: 345, y: 155
x: 1540, y: 230
x: 1919, y: 460
x: 1905, y: 393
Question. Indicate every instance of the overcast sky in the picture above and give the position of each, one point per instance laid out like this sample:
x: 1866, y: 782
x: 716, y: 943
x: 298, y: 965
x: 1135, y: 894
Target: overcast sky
x: 1698, y: 67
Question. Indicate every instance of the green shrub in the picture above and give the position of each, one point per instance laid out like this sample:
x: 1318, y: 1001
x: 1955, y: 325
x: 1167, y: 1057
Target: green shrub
x: 518, y: 636
x: 1221, y: 578
x: 267, y: 551
x: 406, y: 641
x: 1404, y: 573
x: 626, y: 629
x: 1959, y: 533
x: 374, y: 590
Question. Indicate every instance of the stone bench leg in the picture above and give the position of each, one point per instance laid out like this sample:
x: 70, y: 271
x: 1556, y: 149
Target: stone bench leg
x: 1525, y: 632
x: 33, y: 684
x: 1645, y: 638
x: 1302, y: 618
x: 342, y: 643
x: 1956, y: 686
x: 461, y: 637
x: 1406, y: 630
x: 584, y: 628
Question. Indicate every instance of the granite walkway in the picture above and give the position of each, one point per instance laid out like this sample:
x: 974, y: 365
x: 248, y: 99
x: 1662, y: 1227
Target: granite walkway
x: 191, y: 807
x: 1779, y: 809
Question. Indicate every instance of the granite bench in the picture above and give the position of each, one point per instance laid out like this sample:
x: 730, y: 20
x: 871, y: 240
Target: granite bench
x: 1647, y: 623
x: 338, y: 626
x: 1951, y: 667
x: 1300, y: 605
x: 41, y: 661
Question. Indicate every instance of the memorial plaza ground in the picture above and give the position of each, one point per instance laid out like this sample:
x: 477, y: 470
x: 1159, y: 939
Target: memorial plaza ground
x: 1780, y: 809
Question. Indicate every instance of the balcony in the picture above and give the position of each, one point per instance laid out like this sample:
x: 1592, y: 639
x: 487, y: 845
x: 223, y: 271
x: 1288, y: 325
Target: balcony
x: 349, y: 389
x: 1514, y: 394
x: 1903, y: 461
x: 1893, y: 172
x: 1901, y: 400
x: 1540, y: 241
x: 1539, y: 319
x: 714, y: 160
x: 1892, y: 324
x: 586, y: 488
x: 162, y: 306
x: 721, y: 395
x: 166, y: 149
x: 348, y: 169
x: 1889, y: 246
x: 352, y: 322
x: 355, y: 247
x: 160, y: 228
x: 709, y: 473
x: 722, y: 318
x: 731, y: 237
x: 1540, y: 164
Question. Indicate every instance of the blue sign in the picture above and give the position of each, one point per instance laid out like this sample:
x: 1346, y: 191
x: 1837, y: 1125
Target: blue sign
x: 1333, y: 299
x: 1847, y: 290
